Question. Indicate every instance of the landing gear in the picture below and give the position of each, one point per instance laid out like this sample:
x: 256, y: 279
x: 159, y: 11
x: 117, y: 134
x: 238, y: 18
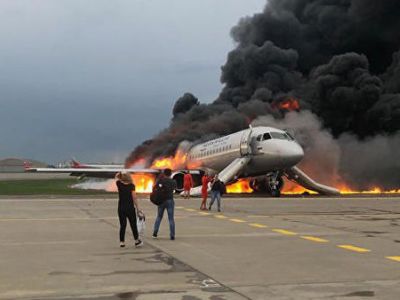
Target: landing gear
x: 272, y: 184
x: 259, y: 184
x: 275, y: 184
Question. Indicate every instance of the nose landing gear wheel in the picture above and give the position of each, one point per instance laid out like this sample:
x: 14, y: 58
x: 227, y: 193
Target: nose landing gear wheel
x: 275, y: 184
x: 275, y: 193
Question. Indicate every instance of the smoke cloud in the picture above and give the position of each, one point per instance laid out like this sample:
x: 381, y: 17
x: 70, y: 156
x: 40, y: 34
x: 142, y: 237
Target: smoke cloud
x: 372, y: 162
x: 108, y: 185
x: 340, y: 59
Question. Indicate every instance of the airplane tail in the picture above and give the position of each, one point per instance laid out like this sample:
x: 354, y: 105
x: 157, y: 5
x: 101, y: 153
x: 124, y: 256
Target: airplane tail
x: 75, y: 163
x: 304, y: 180
x: 27, y: 165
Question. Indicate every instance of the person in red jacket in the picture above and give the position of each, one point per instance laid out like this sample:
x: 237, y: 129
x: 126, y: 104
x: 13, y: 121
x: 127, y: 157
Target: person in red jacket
x: 204, y: 191
x: 187, y: 184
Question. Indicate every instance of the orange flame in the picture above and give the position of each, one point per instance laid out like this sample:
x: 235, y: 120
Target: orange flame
x: 294, y: 189
x: 172, y: 162
x: 143, y: 182
x: 374, y: 190
x: 242, y: 186
x: 239, y: 187
x: 289, y: 104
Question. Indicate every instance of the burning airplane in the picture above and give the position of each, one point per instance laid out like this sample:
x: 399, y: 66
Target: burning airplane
x: 328, y: 71
x: 263, y: 153
x: 337, y: 60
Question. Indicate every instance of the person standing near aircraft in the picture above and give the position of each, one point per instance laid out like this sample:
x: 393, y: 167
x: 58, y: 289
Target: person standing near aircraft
x: 204, y: 190
x: 187, y: 184
x: 126, y: 207
x: 217, y: 189
x: 168, y: 204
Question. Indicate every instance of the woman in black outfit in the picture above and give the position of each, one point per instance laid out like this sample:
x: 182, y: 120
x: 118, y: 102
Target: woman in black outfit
x: 126, y: 207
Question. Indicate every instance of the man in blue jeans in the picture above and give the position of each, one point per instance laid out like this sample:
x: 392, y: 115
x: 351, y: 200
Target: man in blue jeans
x: 168, y: 204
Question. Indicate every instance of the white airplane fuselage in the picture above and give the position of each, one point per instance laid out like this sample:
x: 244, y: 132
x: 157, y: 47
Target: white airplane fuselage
x: 268, y: 148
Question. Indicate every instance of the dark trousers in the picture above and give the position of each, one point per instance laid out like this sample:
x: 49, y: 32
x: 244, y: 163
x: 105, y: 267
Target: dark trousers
x: 129, y: 214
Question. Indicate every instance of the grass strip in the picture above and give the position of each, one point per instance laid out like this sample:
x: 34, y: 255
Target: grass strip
x: 44, y: 187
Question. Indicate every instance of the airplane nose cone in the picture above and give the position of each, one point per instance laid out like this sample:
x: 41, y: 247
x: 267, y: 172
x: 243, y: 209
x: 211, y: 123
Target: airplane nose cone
x: 295, y: 154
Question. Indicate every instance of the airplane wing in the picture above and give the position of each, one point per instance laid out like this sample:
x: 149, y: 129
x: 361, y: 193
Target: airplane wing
x: 91, y: 172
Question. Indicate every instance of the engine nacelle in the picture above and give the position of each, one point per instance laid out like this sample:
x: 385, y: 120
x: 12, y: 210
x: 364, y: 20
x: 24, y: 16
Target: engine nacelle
x: 178, y: 177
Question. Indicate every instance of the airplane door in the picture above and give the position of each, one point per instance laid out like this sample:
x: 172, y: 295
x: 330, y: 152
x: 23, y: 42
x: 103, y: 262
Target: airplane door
x: 256, y: 147
x: 245, y: 147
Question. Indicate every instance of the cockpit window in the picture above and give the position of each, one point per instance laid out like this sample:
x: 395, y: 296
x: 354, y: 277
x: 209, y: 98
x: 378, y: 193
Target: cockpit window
x: 290, y: 136
x: 266, y: 136
x: 280, y: 136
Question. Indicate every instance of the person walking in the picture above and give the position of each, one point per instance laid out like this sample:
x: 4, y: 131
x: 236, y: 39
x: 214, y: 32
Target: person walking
x: 204, y: 190
x: 126, y: 207
x: 187, y: 184
x: 168, y: 204
x: 217, y: 189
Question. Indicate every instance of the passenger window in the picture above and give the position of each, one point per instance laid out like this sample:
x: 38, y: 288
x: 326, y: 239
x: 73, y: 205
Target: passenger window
x: 266, y: 136
x: 259, y: 138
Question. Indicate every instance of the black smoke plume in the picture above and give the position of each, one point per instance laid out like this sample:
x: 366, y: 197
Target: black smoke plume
x: 339, y: 58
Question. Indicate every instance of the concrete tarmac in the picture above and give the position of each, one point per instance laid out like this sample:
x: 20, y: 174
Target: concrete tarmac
x: 256, y: 248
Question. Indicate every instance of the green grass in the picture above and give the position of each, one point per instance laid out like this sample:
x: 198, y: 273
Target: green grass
x: 44, y: 187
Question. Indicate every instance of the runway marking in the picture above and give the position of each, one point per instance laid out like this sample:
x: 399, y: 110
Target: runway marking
x: 220, y: 217
x: 354, y: 248
x: 237, y: 220
x: 43, y: 243
x: 395, y: 258
x: 58, y: 219
x: 204, y: 213
x: 283, y: 231
x: 256, y: 225
x: 314, y: 239
x: 209, y: 283
x: 190, y: 209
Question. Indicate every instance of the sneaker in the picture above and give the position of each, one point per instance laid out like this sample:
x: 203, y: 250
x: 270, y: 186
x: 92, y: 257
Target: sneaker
x: 122, y: 244
x: 138, y: 243
x: 219, y: 210
x: 154, y: 236
x: 172, y: 238
x: 209, y: 208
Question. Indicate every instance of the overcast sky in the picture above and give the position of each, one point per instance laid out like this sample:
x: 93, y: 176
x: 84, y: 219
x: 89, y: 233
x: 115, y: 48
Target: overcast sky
x: 94, y: 78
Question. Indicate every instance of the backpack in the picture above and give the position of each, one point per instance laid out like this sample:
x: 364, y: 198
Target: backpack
x: 159, y: 194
